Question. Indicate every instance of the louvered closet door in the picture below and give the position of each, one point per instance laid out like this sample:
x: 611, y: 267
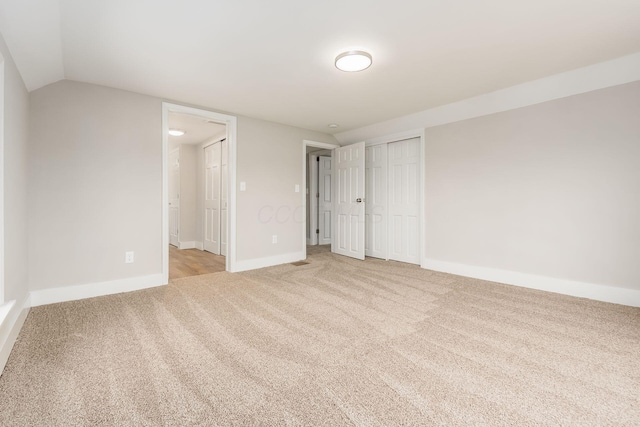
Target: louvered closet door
x: 404, y: 199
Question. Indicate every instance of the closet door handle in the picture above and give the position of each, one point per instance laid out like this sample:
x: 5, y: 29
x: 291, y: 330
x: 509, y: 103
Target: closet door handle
x: 358, y: 200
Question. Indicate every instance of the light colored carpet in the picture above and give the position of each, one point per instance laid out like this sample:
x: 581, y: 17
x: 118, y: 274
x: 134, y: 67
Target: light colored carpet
x: 335, y: 342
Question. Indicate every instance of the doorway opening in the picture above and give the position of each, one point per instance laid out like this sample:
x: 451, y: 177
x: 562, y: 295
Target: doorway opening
x: 198, y: 192
x: 319, y: 200
x: 317, y: 175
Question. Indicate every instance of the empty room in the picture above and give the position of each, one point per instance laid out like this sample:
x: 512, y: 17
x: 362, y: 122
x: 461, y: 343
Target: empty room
x: 330, y: 213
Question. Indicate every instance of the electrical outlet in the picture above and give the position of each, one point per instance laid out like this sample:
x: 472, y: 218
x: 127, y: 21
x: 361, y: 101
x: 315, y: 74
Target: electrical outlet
x: 274, y: 239
x: 297, y: 188
x: 128, y: 257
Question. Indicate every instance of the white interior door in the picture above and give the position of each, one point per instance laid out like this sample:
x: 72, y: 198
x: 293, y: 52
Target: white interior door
x: 404, y: 198
x: 174, y: 197
x: 376, y: 201
x: 348, y: 218
x: 325, y: 201
x: 313, y: 197
x: 224, y: 191
x: 212, y: 164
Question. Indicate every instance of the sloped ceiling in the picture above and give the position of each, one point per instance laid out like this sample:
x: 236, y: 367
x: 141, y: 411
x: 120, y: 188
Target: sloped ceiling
x: 274, y: 59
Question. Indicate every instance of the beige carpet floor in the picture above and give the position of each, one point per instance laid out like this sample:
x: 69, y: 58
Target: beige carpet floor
x: 335, y: 342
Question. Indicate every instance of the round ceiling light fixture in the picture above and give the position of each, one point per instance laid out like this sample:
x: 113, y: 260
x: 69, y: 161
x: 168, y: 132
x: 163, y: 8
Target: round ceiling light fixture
x: 176, y: 132
x: 333, y: 125
x: 353, y: 60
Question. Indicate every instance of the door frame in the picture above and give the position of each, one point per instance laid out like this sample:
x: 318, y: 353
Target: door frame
x: 414, y: 133
x: 2, y: 109
x: 231, y: 123
x: 303, y: 196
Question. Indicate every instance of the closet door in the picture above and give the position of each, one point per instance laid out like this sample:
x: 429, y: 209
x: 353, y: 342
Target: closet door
x: 375, y: 201
x: 212, y: 164
x: 404, y: 199
x: 224, y: 191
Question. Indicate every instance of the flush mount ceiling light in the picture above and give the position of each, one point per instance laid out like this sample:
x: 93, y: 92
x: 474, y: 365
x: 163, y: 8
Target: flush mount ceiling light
x: 353, y: 60
x: 333, y: 125
x: 176, y: 132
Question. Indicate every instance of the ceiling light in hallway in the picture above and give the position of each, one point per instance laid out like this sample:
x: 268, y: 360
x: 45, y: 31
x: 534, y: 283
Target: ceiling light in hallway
x: 176, y: 132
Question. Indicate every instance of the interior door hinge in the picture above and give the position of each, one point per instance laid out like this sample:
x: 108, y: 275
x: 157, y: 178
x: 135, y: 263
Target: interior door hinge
x: 317, y: 231
x: 318, y: 195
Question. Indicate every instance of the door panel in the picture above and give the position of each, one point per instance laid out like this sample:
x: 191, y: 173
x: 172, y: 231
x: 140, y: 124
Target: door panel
x: 325, y: 202
x: 224, y: 179
x: 376, y: 201
x: 349, y: 207
x: 212, y: 155
x: 404, y: 209
x: 174, y: 197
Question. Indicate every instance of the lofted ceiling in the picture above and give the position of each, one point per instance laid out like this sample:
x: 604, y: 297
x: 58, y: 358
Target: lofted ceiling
x: 274, y: 60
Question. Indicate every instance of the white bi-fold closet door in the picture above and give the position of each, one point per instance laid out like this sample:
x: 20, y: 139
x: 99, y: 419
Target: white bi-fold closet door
x: 392, y: 202
x: 215, y: 198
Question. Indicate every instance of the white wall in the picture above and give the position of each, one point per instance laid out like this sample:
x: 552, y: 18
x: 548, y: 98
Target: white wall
x: 188, y: 188
x: 16, y: 119
x: 269, y: 161
x: 551, y: 189
x: 95, y: 185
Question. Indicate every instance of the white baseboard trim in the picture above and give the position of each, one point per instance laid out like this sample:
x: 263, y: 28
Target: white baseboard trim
x: 12, y: 317
x: 72, y: 293
x: 187, y: 245
x: 252, y: 264
x: 199, y: 246
x: 616, y: 295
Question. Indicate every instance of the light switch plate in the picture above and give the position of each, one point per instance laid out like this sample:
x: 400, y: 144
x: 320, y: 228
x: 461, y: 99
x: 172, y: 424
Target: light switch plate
x: 243, y: 186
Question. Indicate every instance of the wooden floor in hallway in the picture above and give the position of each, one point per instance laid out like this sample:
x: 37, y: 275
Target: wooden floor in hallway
x: 193, y: 262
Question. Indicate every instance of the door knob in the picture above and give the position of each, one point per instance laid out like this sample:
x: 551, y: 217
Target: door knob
x: 358, y: 200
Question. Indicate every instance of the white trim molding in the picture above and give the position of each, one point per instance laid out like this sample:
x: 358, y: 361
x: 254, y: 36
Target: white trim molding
x: 12, y: 317
x: 188, y: 245
x: 598, y: 76
x: 72, y: 293
x: 253, y: 264
x: 612, y: 294
x: 2, y: 271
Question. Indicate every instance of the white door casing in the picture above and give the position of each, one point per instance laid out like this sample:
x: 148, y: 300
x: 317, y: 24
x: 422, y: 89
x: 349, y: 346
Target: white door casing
x: 325, y: 200
x: 375, y: 207
x: 174, y: 197
x: 224, y: 180
x: 212, y: 165
x: 349, y: 190
x: 404, y: 200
